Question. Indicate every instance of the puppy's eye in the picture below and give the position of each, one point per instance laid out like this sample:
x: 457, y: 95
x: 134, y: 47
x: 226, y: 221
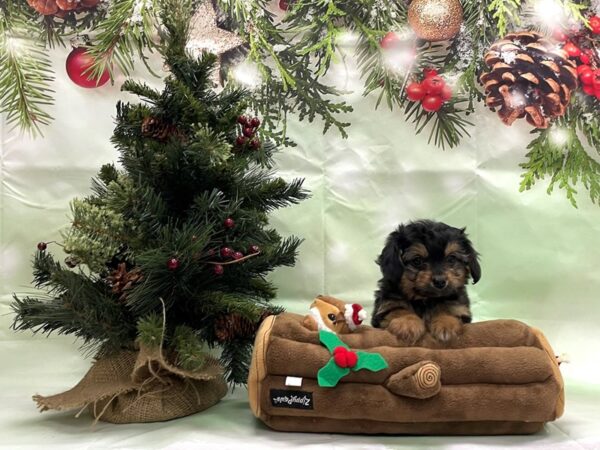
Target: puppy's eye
x: 452, y: 259
x: 331, y: 316
x: 417, y: 262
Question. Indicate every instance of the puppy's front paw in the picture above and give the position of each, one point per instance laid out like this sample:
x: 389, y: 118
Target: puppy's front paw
x: 409, y: 328
x: 445, y: 327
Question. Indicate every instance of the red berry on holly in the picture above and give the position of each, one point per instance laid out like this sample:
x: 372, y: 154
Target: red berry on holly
x: 588, y: 89
x: 429, y: 72
x: 595, y: 24
x: 240, y: 141
x: 434, y: 84
x: 228, y: 223
x: 432, y: 103
x: 248, y: 132
x: 415, y: 92
x: 587, y: 77
x: 389, y: 41
x: 254, y: 249
x: 446, y: 93
x: 255, y: 122
x: 238, y: 255
x: 596, y: 79
x: 339, y: 356
x: 218, y: 269
x: 226, y: 252
x: 351, y: 359
x: 242, y: 120
x: 254, y: 144
x: 42, y: 246
x: 583, y: 68
x: 173, y: 264
x: 572, y: 50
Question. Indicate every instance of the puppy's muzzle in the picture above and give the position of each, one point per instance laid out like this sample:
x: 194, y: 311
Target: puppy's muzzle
x: 439, y: 282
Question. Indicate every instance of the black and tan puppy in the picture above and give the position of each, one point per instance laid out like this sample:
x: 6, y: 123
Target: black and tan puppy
x: 425, y: 267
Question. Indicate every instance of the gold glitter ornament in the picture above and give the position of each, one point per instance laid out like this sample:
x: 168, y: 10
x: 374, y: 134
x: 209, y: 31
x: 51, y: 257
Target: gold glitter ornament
x: 435, y: 20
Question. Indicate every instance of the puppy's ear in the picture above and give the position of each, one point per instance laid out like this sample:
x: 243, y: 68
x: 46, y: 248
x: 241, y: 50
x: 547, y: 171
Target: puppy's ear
x: 389, y: 261
x: 474, y: 267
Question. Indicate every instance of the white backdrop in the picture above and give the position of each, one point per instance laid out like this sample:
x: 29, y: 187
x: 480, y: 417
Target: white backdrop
x: 539, y: 257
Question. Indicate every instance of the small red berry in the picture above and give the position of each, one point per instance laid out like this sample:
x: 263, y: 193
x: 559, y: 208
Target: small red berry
x: 211, y: 252
x: 596, y: 79
x: 255, y: 144
x: 595, y: 24
x: 429, y: 72
x: 446, y: 93
x: 226, y: 252
x: 218, y: 269
x: 173, y: 264
x: 248, y: 132
x: 571, y: 49
x: 240, y: 141
x: 242, y: 120
x: 434, y: 84
x: 229, y: 223
x: 559, y: 35
x: 415, y: 92
x: 432, y: 103
x: 389, y: 41
x: 238, y: 255
x: 588, y: 89
x: 42, y: 246
x: 255, y: 122
x: 597, y: 94
x: 583, y: 68
x: 587, y: 77
x: 254, y: 249
x: 585, y: 59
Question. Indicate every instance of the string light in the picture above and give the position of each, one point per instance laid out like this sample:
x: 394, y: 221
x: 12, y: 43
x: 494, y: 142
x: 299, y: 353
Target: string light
x: 549, y: 13
x: 247, y: 75
x: 14, y: 45
x: 559, y: 136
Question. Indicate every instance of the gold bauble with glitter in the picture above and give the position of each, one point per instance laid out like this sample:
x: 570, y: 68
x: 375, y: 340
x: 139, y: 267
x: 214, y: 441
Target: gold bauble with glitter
x: 435, y: 20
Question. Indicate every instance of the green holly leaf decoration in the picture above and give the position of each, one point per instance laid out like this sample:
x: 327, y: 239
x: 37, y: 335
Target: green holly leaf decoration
x: 330, y: 374
x: 330, y: 340
x: 370, y: 361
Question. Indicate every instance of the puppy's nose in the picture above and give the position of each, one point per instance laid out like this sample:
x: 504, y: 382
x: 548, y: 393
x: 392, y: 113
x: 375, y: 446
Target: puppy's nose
x: 439, y: 282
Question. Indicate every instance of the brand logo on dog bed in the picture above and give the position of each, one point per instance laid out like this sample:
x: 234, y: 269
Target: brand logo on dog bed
x: 291, y: 399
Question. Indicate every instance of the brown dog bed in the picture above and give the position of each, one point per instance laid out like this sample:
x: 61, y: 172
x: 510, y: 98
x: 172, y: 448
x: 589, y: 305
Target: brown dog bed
x: 498, y: 377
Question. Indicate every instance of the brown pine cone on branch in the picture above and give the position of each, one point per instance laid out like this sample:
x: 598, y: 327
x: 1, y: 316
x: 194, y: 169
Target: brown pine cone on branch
x: 122, y: 281
x: 158, y: 129
x: 529, y: 77
x: 235, y: 326
x: 61, y: 7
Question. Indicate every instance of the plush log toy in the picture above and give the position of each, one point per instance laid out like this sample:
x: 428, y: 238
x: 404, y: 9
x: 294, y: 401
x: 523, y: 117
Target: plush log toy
x: 497, y: 377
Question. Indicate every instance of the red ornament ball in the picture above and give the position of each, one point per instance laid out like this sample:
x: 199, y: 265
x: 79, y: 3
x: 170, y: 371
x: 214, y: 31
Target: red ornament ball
x: 226, y: 252
x: 240, y: 141
x: 389, y: 41
x: 78, y: 62
x: 173, y: 264
x: 432, y: 103
x: 446, y: 93
x: 229, y: 223
x: 415, y: 92
x: 42, y: 246
x: 572, y: 50
x: 248, y: 132
x: 433, y: 84
x: 254, y: 249
x: 218, y: 269
x: 595, y: 24
x: 238, y: 255
x: 255, y: 122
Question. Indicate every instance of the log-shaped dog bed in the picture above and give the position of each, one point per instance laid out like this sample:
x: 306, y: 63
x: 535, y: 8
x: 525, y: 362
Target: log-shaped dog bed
x: 498, y: 377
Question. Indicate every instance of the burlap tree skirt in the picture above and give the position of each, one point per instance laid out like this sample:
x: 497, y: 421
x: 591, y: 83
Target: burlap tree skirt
x: 140, y: 387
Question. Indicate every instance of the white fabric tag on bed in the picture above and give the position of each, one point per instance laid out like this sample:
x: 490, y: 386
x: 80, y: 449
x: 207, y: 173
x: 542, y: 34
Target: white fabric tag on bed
x: 293, y: 381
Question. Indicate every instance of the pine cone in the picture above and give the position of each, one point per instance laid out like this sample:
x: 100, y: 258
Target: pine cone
x: 122, y: 281
x: 59, y: 8
x: 44, y: 7
x: 235, y: 326
x: 156, y: 128
x: 530, y: 77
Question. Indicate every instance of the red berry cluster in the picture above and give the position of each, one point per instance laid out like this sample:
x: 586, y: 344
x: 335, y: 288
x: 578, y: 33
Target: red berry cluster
x: 432, y: 92
x: 590, y: 80
x: 248, y: 127
x: 344, y: 358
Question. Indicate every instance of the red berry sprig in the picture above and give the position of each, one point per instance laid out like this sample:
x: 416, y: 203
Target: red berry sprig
x: 248, y: 127
x: 173, y: 264
x: 42, y: 246
x: 594, y: 23
x: 229, y: 223
x: 389, y: 41
x: 432, y: 92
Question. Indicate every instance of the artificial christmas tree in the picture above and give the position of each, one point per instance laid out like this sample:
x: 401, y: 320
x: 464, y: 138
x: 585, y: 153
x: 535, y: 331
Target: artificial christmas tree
x: 149, y: 239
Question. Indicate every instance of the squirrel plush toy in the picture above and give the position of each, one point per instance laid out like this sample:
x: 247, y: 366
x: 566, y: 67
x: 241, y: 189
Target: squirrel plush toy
x: 331, y: 314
